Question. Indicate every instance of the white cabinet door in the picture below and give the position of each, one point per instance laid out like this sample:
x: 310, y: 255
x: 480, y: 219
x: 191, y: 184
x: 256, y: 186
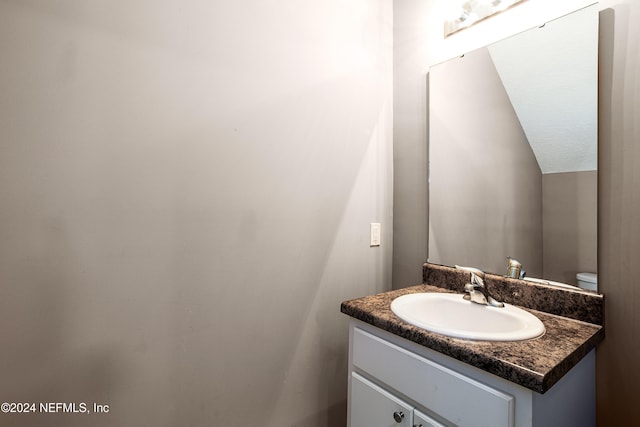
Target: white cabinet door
x: 423, y: 420
x: 372, y: 406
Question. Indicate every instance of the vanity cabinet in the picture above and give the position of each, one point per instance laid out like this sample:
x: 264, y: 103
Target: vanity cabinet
x: 395, y: 382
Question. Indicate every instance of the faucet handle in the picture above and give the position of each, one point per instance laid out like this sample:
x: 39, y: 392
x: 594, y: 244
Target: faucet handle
x: 477, y: 275
x: 477, y: 291
x: 473, y: 270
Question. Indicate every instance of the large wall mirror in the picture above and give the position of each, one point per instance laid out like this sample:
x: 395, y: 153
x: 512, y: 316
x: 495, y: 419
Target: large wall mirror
x: 513, y: 152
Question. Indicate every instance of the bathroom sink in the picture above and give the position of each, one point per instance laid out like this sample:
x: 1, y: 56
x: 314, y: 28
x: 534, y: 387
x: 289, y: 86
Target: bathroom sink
x: 451, y: 315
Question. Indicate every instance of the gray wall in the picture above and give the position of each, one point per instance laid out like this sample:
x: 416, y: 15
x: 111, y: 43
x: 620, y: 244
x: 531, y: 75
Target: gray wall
x: 419, y: 44
x: 485, y: 186
x: 570, y: 218
x: 185, y: 197
x: 410, y: 220
x: 618, y: 379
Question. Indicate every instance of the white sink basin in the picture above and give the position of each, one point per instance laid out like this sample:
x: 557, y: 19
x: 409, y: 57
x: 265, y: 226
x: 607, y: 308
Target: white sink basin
x: 451, y: 315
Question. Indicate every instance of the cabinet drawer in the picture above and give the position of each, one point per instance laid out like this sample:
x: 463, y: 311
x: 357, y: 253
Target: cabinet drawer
x: 372, y: 406
x: 456, y: 397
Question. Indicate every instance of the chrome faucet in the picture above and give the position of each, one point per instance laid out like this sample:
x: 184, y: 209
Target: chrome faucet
x: 477, y: 290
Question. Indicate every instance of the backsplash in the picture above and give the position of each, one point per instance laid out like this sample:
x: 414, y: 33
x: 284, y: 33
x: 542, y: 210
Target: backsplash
x: 574, y: 304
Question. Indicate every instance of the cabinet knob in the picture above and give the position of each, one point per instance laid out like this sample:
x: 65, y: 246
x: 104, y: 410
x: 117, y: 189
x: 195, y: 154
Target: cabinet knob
x: 398, y: 416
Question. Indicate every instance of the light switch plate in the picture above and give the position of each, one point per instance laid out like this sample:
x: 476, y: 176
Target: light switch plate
x: 375, y: 234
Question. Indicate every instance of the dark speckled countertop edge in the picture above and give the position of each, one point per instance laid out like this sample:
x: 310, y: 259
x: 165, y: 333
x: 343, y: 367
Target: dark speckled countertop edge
x: 536, y: 364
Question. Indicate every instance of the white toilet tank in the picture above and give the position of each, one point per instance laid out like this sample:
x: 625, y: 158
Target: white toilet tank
x: 588, y: 281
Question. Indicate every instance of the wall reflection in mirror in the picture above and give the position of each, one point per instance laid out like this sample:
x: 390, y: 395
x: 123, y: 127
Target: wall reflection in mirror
x: 513, y: 153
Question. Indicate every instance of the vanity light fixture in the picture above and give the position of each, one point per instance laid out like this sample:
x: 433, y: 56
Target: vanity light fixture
x: 464, y: 13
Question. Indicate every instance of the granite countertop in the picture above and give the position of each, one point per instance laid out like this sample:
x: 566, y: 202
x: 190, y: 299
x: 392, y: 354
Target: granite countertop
x: 536, y: 364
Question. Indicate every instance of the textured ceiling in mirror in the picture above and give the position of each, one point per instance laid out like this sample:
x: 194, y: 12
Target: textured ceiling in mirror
x: 550, y: 74
x: 464, y: 13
